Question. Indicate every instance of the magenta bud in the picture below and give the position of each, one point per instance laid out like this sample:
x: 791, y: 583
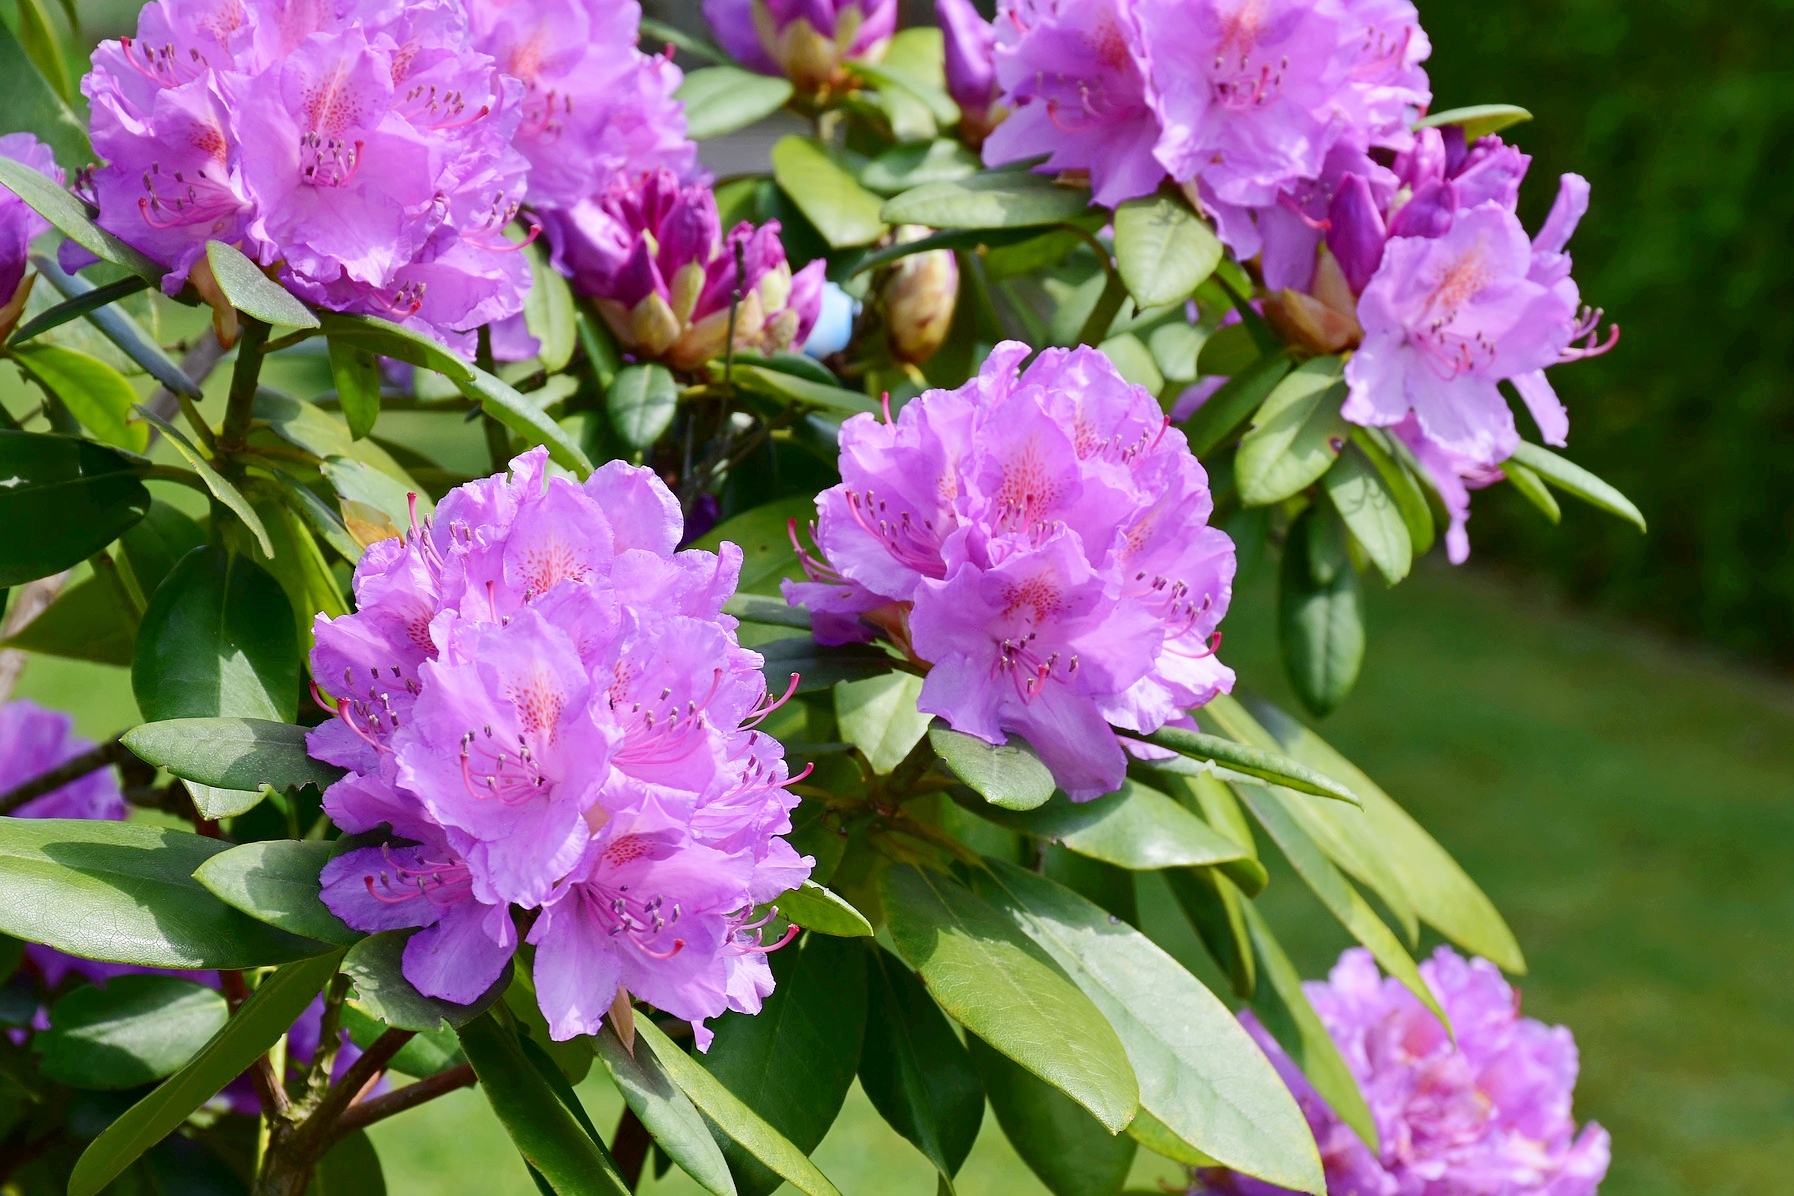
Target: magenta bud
x: 1355, y: 231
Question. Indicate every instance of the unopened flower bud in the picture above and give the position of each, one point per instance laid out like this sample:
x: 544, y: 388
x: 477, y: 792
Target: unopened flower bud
x: 919, y: 296
x: 807, y: 41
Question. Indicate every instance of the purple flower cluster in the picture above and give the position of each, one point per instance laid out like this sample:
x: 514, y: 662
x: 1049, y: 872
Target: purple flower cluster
x: 652, y: 255
x: 18, y: 223
x: 805, y: 40
x: 365, y: 149
x: 1238, y: 101
x: 542, y: 700
x: 1488, y: 1116
x: 1041, y: 543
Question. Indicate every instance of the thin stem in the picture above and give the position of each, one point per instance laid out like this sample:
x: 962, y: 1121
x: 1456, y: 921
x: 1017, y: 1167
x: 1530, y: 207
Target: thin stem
x: 317, y: 1080
x: 243, y: 380
x: 362, y: 1115
x: 104, y: 756
x: 300, y: 1138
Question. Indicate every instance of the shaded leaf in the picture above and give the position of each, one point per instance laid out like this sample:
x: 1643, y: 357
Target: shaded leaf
x: 224, y: 491
x: 32, y: 105
x: 764, y: 537
x: 516, y: 412
x: 134, y: 1030
x: 997, y: 199
x: 387, y: 339
x: 125, y: 333
x: 914, y: 1069
x: 356, y: 373
x: 73, y: 308
x: 154, y: 546
x: 376, y: 966
x: 1068, y: 1149
x: 88, y: 621
x: 818, y: 666
x: 62, y: 499
x: 217, y: 639
x: 790, y: 388
x: 1135, y: 827
x: 1320, y: 622
x: 1226, y: 411
x: 277, y: 882
x: 667, y: 1113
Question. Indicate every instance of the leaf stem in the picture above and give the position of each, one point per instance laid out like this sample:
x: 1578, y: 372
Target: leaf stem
x: 367, y: 1112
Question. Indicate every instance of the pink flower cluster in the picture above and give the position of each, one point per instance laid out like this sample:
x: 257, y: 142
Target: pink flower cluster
x: 1040, y: 541
x: 1487, y: 1116
x: 542, y: 700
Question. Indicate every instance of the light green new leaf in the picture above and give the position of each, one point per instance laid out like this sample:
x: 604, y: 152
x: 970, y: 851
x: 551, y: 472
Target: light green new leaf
x: 548, y: 310
x: 522, y: 416
x: 816, y: 908
x: 1009, y: 775
x: 252, y: 292
x: 641, y: 403
x: 94, y: 392
x: 667, y: 1113
x: 277, y: 882
x: 722, y: 99
x: 1136, y: 827
x: 235, y: 753
x: 1163, y: 249
x: 1371, y: 514
x: 845, y: 213
x: 1252, y: 761
x: 1478, y: 120
x: 1573, y: 479
x: 996, y: 982
x: 1533, y: 489
x: 997, y: 199
x: 879, y: 716
x: 1295, y: 436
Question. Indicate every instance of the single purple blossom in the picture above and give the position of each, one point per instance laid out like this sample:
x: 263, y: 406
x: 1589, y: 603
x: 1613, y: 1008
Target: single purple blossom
x: 18, y: 222
x: 1042, y: 543
x: 970, y: 44
x: 651, y: 253
x: 805, y: 40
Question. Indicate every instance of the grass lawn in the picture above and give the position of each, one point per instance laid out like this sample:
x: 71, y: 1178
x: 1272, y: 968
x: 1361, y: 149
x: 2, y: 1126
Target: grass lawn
x: 1628, y: 805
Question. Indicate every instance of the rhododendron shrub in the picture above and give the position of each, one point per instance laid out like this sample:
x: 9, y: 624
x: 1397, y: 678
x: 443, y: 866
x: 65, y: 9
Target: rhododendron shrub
x: 731, y: 631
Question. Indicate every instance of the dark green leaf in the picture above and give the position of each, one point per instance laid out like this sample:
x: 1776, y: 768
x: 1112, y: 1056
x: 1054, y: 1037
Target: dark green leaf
x: 89, y: 621
x: 274, y: 1006
x: 997, y: 983
x: 913, y: 1068
x: 33, y: 105
x: 790, y: 388
x: 1573, y: 479
x: 977, y: 240
x: 548, y: 310
x: 222, y: 490
x: 133, y: 1030
x: 252, y: 292
x: 1008, y: 775
x: 351, y: 1167
x: 235, y: 753
x: 1228, y: 352
x: 1201, y: 1075
x: 1295, y: 436
x: 1068, y: 1149
x: 61, y: 500
x: 845, y: 213
x: 879, y: 716
x: 736, y: 1120
x: 356, y: 373
x: 1532, y: 488
x: 79, y: 305
x: 903, y: 167
x: 1220, y: 418
x: 544, y: 1130
x: 1479, y: 120
x: 819, y: 667
x: 218, y: 639
x: 794, y: 1061
x: 722, y: 99
x: 518, y: 413
x: 375, y: 964
x: 277, y: 882
x: 641, y: 404
x: 1163, y: 249
x: 1254, y: 762
x: 38, y: 36
x: 816, y: 908
x: 387, y: 339
x: 764, y: 536
x: 997, y: 199
x: 1135, y: 827
x: 1320, y: 623
x: 1371, y: 514
x: 156, y: 545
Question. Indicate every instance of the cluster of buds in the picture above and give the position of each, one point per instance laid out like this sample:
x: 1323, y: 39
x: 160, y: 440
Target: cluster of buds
x: 807, y: 41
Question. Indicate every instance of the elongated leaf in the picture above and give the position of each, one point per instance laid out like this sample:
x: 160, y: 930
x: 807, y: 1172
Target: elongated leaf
x: 1008, y: 775
x: 548, y: 311
x: 356, y: 373
x: 816, y: 908
x: 819, y: 667
x: 994, y: 981
x: 677, y: 1126
x: 543, y: 1129
x: 1295, y: 437
x: 91, y: 620
x: 1226, y: 411
x: 62, y: 499
x: 913, y: 1068
x: 641, y: 403
x: 94, y: 392
x: 125, y: 893
x: 1532, y: 487
x: 387, y: 339
x: 235, y: 753
x: 903, y: 167
x: 790, y: 388
x: 39, y: 37
x: 1410, y: 499
x: 1136, y: 827
x: 1200, y: 1073
x: 520, y: 415
x: 1320, y: 619
x: 1284, y: 1009
x: 276, y: 1003
x: 774, y: 612
x: 277, y: 882
x: 1254, y: 762
x: 977, y: 240
x: 67, y: 213
x: 77, y: 306
x: 1212, y: 904
x: 999, y: 199
x: 33, y: 105
x: 793, y: 1062
x: 376, y: 965
x: 1070, y: 1151
x: 1479, y: 120
x: 1573, y: 479
x: 254, y: 293
x: 217, y: 640
x: 126, y: 334
x: 351, y: 1167
x: 845, y: 213
x: 222, y: 490
x: 1163, y: 249
x: 879, y: 717
x: 132, y: 1031
x: 1371, y: 514
x: 735, y: 1119
x: 722, y: 99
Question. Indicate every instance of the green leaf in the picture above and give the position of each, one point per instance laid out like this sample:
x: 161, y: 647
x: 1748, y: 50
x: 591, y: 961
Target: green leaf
x: 736, y: 1120
x: 67, y: 213
x: 375, y: 964
x: 356, y: 373
x: 661, y: 33
x: 1479, y: 120
x: 1284, y: 1009
x: 32, y: 105
x: 1068, y: 1149
x: 1135, y: 827
x: 1443, y: 894
x: 790, y: 388
x: 1226, y: 411
x: 641, y: 403
x: 252, y: 292
x: 94, y: 392
x: 548, y: 310
x: 1573, y: 479
x: 374, y: 504
x: 1533, y: 489
x: 1201, y: 1075
x: 794, y: 1062
x: 766, y: 610
x: 222, y: 490
x: 1228, y: 351
x: 915, y: 61
x: 1402, y: 485
x: 722, y: 99
x: 126, y: 334
x: 914, y: 1069
x: 41, y: 43
x: 386, y: 339
x: 274, y: 1006
x: 1371, y: 514
x: 1295, y: 437
x: 233, y: 753
x: 1163, y: 249
x: 816, y: 908
x: 131, y: 1031
x: 1213, y: 905
x: 1009, y: 775
x: 845, y: 213
x: 1133, y: 361
x: 675, y: 1123
x: 818, y: 666
x: 997, y: 983
x: 996, y: 199
x: 1252, y: 761
x: 1175, y: 347
x: 351, y: 1167
x: 155, y: 545
x: 516, y: 412
x: 218, y: 639
x: 764, y: 537
x: 277, y: 882
x: 903, y: 167
x: 879, y: 716
x: 544, y: 1130
x: 89, y: 621
x: 90, y: 299
x: 62, y: 499
x: 1320, y: 622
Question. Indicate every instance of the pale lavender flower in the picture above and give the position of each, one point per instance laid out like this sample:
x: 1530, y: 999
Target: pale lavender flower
x: 18, y: 223
x: 1042, y: 543
x: 804, y: 40
x: 651, y: 253
x: 970, y: 43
